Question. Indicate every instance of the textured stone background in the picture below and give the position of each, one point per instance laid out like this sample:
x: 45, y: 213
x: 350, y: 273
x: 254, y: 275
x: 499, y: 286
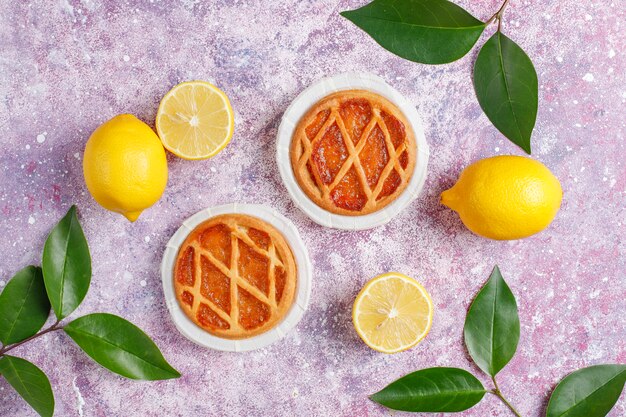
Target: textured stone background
x: 66, y: 66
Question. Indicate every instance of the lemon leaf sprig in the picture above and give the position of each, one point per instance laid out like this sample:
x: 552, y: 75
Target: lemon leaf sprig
x: 439, y: 32
x: 25, y: 302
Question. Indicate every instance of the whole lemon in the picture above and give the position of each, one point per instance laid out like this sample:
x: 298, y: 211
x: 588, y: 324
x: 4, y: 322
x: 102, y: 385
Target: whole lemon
x: 125, y: 166
x: 505, y: 197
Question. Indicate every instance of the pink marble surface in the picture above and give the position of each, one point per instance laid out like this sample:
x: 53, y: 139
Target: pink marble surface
x: 67, y: 66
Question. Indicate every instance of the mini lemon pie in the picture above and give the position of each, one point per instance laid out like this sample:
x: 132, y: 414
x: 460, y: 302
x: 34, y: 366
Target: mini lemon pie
x: 235, y: 276
x: 353, y: 152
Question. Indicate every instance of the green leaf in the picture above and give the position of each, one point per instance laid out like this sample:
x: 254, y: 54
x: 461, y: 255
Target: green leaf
x: 492, y: 325
x: 24, y: 306
x: 432, y: 390
x: 66, y: 265
x: 588, y: 392
x: 506, y: 86
x: 120, y: 346
x: 30, y: 382
x: 426, y: 31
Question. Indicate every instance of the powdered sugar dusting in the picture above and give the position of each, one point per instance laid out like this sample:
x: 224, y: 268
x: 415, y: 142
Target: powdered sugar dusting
x: 66, y: 73
x: 80, y: 402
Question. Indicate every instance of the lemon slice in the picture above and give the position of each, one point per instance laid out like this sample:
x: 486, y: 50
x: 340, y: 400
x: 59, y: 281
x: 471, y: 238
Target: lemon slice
x: 392, y: 313
x: 195, y: 120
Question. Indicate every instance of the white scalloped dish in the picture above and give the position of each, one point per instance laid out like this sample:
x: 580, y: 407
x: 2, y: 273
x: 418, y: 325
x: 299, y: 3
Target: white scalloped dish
x: 206, y: 309
x: 383, y: 97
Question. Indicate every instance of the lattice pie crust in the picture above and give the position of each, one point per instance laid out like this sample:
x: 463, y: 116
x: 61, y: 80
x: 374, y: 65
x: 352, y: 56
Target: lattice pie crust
x: 235, y: 276
x: 353, y: 152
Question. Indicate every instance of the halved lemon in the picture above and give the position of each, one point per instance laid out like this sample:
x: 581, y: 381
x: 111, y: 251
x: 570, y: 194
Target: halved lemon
x: 195, y: 120
x: 392, y: 313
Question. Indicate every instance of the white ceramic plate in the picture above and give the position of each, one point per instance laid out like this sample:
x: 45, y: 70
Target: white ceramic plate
x: 303, y: 286
x: 302, y: 104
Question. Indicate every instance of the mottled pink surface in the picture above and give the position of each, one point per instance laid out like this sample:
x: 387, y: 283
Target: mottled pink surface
x: 67, y: 66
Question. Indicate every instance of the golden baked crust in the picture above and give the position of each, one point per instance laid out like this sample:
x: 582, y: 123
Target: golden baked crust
x: 353, y: 153
x: 235, y: 276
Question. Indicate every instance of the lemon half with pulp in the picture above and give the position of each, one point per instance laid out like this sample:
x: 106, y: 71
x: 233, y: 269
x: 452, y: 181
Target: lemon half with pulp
x: 392, y: 313
x: 195, y: 120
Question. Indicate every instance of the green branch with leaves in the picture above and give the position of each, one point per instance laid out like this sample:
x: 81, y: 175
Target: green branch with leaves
x: 491, y: 332
x: 439, y: 32
x: 62, y: 283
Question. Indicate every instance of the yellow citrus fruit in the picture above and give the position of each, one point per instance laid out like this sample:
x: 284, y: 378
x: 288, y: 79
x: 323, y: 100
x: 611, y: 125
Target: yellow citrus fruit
x: 505, y: 197
x: 195, y: 120
x: 125, y: 166
x: 392, y: 313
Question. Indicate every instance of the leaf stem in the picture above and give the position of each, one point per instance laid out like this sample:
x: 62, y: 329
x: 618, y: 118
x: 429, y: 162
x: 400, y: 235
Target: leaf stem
x: 498, y: 15
x: 52, y: 328
x: 498, y: 394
